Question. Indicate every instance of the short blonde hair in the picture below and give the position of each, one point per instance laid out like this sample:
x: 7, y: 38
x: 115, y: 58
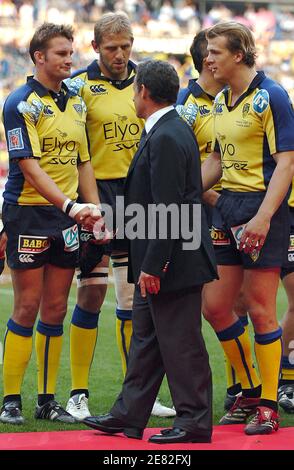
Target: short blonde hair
x: 112, y: 23
x: 239, y: 38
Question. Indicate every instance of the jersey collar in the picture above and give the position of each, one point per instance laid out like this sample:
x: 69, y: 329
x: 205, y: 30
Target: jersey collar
x: 40, y: 89
x: 197, y: 91
x: 259, y: 77
x: 94, y: 73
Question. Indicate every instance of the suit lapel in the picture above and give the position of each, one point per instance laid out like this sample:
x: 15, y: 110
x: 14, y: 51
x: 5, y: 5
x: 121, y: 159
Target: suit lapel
x: 171, y: 114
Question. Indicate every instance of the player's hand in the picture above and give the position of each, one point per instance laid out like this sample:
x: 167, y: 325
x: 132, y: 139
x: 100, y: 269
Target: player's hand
x: 254, y: 234
x: 3, y: 243
x: 210, y: 197
x: 148, y: 283
x: 101, y: 233
x: 86, y: 214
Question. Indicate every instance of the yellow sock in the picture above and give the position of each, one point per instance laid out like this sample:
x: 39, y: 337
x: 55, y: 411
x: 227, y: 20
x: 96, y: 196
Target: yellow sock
x: 236, y: 344
x: 287, y: 371
x: 82, y: 347
x: 232, y: 378
x: 230, y: 373
x: 17, y: 353
x: 124, y: 330
x: 48, y: 344
x: 268, y: 356
x: 287, y: 374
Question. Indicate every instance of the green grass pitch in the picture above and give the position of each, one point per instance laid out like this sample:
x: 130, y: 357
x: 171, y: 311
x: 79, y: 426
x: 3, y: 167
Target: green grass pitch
x: 106, y: 376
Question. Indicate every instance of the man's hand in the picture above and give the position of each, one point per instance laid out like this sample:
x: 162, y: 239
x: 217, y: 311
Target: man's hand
x: 210, y: 197
x: 148, y: 283
x: 3, y: 243
x: 101, y: 233
x: 85, y: 214
x: 254, y: 233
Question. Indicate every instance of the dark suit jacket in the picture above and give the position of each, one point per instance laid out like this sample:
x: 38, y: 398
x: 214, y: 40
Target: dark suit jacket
x: 166, y: 169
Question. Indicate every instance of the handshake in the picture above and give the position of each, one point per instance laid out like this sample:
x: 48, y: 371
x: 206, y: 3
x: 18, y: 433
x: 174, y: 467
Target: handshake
x: 89, y: 216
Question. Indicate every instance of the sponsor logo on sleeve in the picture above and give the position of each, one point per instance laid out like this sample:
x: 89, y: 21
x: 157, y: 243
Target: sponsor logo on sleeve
x: 74, y: 85
x: 188, y: 112
x: 15, y: 139
x: 32, y: 110
x: 71, y: 238
x: 261, y: 101
x: 32, y: 244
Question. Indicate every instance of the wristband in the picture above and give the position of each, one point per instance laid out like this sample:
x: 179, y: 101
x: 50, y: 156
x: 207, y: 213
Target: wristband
x: 72, y: 208
x: 67, y: 206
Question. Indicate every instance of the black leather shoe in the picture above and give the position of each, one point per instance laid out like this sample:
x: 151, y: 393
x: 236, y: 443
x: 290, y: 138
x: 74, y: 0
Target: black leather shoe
x: 111, y: 425
x: 177, y: 435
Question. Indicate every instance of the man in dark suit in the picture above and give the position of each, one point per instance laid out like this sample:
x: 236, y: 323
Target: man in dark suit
x: 168, y: 271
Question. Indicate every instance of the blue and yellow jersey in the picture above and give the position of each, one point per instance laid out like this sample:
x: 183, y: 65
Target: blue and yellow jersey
x: 113, y: 129
x: 248, y: 134
x: 195, y: 107
x: 49, y: 127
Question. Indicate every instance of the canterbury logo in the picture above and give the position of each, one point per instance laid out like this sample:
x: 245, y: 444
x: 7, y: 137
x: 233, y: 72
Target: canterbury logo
x: 26, y: 258
x: 98, y: 89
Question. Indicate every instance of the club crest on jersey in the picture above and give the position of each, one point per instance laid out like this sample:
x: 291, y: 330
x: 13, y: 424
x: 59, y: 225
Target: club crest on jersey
x: 261, y: 101
x: 245, y: 110
x: 15, y: 139
x: 188, y: 113
x: 78, y: 108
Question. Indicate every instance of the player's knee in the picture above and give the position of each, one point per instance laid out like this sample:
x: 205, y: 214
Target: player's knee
x: 241, y: 305
x: 263, y: 319
x: 25, y: 312
x: 91, y: 298
x: 54, y: 311
x: 124, y: 291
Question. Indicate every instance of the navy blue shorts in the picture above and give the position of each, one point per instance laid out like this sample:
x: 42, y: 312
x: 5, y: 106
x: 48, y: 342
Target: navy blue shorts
x: 108, y: 190
x: 237, y: 208
x: 91, y: 254
x: 38, y: 235
x: 288, y: 266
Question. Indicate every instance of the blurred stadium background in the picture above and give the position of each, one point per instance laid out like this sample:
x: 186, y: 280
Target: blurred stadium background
x: 163, y: 29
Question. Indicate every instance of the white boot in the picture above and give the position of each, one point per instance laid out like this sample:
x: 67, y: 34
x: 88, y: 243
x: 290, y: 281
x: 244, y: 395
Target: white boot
x: 77, y: 406
x: 162, y: 411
